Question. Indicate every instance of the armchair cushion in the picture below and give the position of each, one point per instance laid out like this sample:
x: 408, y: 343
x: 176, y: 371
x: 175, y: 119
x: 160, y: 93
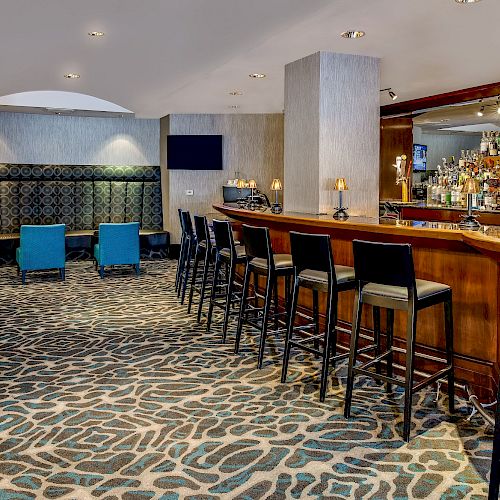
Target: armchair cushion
x: 118, y: 244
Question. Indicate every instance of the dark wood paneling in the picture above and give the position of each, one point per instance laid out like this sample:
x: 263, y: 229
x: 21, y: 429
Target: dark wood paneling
x: 396, y: 138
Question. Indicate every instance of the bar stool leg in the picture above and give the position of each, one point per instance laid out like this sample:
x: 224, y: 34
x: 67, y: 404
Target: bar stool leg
x: 316, y: 320
x: 390, y: 340
x: 376, y: 334
x: 215, y: 282
x: 356, y: 324
x: 182, y: 265
x: 179, y: 264
x: 331, y: 322
x: 204, y: 279
x: 187, y: 269
x: 271, y: 278
x: 276, y: 304
x: 289, y: 333
x: 410, y: 360
x: 229, y: 295
x: 448, y: 324
x: 244, y: 294
x: 193, y: 280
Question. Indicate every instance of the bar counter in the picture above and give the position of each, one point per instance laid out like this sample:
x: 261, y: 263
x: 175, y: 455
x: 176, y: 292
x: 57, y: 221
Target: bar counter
x: 467, y: 261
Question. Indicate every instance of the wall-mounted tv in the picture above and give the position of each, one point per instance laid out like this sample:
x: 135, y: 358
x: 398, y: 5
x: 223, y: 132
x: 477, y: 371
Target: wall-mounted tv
x: 419, y: 158
x: 194, y: 152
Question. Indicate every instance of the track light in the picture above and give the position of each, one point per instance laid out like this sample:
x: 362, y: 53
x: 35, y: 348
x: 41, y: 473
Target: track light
x: 481, y: 111
x: 392, y: 95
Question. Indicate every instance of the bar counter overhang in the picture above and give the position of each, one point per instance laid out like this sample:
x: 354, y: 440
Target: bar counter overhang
x: 467, y: 261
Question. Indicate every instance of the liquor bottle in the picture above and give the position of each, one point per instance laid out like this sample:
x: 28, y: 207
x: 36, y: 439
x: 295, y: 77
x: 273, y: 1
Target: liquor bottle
x: 435, y: 191
x: 461, y: 161
x: 493, y: 145
x: 442, y: 193
x: 484, y: 144
x: 429, y: 192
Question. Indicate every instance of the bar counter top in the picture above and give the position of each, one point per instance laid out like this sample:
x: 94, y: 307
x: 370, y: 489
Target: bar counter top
x: 468, y: 261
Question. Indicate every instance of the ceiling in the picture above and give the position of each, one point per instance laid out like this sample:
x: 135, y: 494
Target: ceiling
x: 185, y: 56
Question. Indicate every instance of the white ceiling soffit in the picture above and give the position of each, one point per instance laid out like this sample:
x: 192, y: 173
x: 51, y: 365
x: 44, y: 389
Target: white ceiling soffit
x: 185, y: 56
x: 57, y: 101
x: 473, y: 128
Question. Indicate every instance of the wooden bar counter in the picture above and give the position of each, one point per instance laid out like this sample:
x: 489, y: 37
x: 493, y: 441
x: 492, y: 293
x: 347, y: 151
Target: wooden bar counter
x: 467, y: 261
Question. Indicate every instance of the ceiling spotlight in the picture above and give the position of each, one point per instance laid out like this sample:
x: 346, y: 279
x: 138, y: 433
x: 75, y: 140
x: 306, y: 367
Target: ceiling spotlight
x: 236, y: 92
x: 234, y: 106
x: 467, y: 1
x: 257, y: 75
x: 481, y: 111
x: 96, y: 33
x: 352, y: 34
x: 392, y: 95
x: 71, y: 76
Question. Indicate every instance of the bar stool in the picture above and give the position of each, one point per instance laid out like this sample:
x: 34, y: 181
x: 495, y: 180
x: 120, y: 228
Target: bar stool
x: 262, y: 262
x: 314, y: 269
x: 228, y: 255
x: 203, y: 252
x: 189, y: 247
x: 385, y: 277
x: 180, y: 260
x: 495, y: 458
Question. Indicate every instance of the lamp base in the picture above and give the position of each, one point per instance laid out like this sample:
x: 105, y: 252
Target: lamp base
x: 469, y: 222
x: 276, y: 208
x: 341, y: 213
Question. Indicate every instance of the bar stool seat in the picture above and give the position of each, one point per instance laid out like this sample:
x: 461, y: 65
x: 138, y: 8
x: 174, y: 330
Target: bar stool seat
x: 425, y: 289
x: 317, y: 278
x: 240, y: 252
x: 281, y: 261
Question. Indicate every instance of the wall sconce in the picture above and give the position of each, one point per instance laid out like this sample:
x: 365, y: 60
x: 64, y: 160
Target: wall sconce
x: 470, y: 222
x: 341, y: 212
x: 276, y: 187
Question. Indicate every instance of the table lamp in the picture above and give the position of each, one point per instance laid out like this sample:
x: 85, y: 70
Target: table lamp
x: 276, y: 186
x: 341, y: 212
x: 470, y: 188
x: 241, y: 184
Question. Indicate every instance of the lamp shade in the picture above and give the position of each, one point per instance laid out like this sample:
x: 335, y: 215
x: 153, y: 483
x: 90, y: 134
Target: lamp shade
x: 276, y: 185
x: 341, y: 185
x: 252, y: 184
x: 242, y: 183
x: 470, y: 186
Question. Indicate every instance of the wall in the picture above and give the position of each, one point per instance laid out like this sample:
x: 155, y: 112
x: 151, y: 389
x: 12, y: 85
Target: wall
x: 71, y: 140
x: 253, y: 146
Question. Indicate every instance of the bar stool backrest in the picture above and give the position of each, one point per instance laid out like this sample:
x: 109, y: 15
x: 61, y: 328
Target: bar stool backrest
x: 223, y: 235
x: 312, y: 251
x: 201, y: 228
x: 384, y: 263
x: 258, y: 243
x: 187, y: 223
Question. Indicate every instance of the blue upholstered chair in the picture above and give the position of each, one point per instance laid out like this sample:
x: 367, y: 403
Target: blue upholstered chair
x: 42, y: 247
x: 118, y: 245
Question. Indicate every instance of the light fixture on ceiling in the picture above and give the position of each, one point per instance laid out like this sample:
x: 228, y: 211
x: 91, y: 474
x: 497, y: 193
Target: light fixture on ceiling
x: 481, y: 111
x: 234, y: 106
x: 96, y: 34
x: 235, y: 92
x: 257, y: 75
x: 392, y: 95
x: 498, y: 107
x: 71, y: 76
x: 467, y: 1
x: 352, y: 34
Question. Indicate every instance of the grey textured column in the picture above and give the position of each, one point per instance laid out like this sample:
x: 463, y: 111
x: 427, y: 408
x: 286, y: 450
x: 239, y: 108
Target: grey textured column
x: 332, y: 129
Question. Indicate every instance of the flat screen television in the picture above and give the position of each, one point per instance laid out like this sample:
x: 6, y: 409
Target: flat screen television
x: 419, y: 158
x: 194, y: 152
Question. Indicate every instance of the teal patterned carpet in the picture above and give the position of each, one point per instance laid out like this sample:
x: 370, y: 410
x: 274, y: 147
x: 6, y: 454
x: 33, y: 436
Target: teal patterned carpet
x: 109, y: 390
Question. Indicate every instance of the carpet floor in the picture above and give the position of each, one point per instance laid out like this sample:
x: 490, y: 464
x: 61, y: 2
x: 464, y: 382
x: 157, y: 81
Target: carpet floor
x: 108, y: 389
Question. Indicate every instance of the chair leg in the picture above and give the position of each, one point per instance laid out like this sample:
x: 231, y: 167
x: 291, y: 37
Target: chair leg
x: 137, y: 269
x: 244, y: 293
x: 331, y: 323
x: 101, y: 272
x: 376, y: 335
x: 187, y: 270
x: 62, y: 273
x: 289, y: 332
x: 265, y: 317
x: 213, y: 293
x: 316, y: 320
x: 182, y: 264
x: 390, y: 340
x: 23, y: 277
x: 448, y: 324
x: 410, y: 360
x: 179, y: 264
x: 204, y: 279
x: 276, y: 304
x: 193, y: 280
x: 356, y: 324
x: 229, y: 295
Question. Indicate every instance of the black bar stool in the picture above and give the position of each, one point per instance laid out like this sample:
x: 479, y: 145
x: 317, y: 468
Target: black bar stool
x: 385, y: 277
x: 314, y: 269
x: 180, y: 260
x: 228, y: 255
x: 189, y: 247
x: 203, y: 252
x: 495, y: 458
x: 262, y: 262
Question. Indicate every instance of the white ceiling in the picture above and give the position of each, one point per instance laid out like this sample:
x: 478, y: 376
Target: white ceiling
x: 184, y: 56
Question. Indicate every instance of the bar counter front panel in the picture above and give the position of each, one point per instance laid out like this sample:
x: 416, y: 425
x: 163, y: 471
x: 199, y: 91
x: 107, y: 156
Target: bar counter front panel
x: 465, y: 260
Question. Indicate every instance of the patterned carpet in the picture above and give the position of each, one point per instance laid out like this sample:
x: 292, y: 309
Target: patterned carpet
x: 109, y: 390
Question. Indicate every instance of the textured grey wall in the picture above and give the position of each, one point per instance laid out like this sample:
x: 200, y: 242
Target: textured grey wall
x: 253, y: 146
x: 71, y: 140
x: 332, y: 100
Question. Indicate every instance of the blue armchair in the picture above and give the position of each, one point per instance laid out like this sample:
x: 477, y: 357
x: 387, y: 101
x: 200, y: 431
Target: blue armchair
x: 42, y: 247
x: 118, y: 244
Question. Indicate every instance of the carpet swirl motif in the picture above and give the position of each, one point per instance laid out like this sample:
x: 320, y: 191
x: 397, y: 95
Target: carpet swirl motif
x: 109, y: 390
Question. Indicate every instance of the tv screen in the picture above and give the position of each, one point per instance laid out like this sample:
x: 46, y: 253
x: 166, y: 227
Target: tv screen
x: 194, y: 152
x: 419, y: 158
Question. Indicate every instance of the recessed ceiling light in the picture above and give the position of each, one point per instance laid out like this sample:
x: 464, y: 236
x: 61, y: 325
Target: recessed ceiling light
x: 352, y: 34
x: 236, y: 92
x: 481, y: 111
x: 257, y: 75
x: 467, y: 1
x: 233, y: 106
x: 96, y: 33
x: 71, y: 76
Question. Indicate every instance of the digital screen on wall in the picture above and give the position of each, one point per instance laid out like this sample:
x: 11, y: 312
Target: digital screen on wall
x: 194, y: 152
x: 419, y: 158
